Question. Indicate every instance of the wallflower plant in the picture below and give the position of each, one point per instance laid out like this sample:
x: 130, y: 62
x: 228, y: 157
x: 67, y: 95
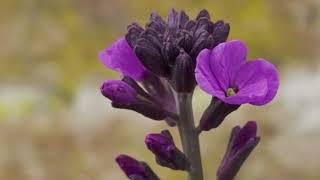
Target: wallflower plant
x: 161, y: 65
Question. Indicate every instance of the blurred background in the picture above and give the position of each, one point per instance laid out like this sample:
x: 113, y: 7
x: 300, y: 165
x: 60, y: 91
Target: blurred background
x: 55, y: 125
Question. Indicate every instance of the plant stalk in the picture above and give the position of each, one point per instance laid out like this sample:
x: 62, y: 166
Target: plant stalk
x: 189, y: 136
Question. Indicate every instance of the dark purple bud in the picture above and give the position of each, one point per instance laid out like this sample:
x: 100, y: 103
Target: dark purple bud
x: 186, y: 40
x: 220, y: 32
x: 165, y: 151
x: 119, y: 92
x: 202, y: 24
x: 134, y: 31
x: 172, y: 19
x: 242, y: 142
x: 177, y: 20
x: 215, y: 113
x: 157, y: 23
x: 151, y: 57
x: 200, y: 43
x: 190, y: 25
x: 152, y: 36
x: 183, y: 79
x: 203, y: 13
x: 183, y: 19
x: 134, y: 169
x: 170, y: 51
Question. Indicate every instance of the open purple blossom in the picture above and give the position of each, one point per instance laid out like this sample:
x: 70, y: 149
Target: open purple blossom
x: 134, y: 169
x: 121, y: 57
x: 166, y: 152
x: 224, y: 73
x: 242, y: 142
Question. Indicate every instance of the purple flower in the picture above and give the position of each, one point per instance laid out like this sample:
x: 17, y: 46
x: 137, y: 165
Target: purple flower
x: 223, y: 73
x: 242, y: 142
x: 134, y: 169
x: 121, y: 57
x: 167, y: 154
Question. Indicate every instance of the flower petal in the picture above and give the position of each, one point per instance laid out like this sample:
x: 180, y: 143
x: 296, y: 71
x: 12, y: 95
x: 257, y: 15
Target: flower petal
x: 249, y: 93
x: 121, y: 57
x: 205, y: 77
x: 257, y: 71
x: 225, y: 61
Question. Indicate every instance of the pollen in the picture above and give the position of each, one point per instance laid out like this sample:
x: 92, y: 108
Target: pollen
x: 231, y: 92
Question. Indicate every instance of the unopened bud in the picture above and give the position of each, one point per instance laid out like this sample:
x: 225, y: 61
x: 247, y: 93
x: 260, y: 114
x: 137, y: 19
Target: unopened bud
x: 183, y: 79
x: 242, y: 142
x: 167, y: 154
x: 215, y: 113
x: 127, y: 94
x: 134, y: 169
x: 119, y: 92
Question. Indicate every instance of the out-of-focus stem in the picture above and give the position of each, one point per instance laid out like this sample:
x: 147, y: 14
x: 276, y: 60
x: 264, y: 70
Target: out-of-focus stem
x: 189, y: 136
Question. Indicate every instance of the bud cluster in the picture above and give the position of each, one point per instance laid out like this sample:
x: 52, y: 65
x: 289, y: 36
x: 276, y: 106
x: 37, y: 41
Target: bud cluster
x: 162, y: 45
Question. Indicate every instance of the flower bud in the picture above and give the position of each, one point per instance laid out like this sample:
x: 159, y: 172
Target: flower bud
x: 203, y: 13
x: 119, y: 92
x: 242, y: 142
x: 151, y: 57
x: 170, y: 50
x: 220, y: 32
x: 127, y: 94
x: 183, y: 79
x: 167, y: 154
x: 215, y: 113
x: 134, y: 169
x: 134, y: 31
x: 156, y: 23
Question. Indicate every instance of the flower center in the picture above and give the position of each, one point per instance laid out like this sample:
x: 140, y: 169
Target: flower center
x: 231, y: 92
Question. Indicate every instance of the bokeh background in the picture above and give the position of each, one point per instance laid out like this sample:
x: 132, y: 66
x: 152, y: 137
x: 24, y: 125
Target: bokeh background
x: 55, y: 125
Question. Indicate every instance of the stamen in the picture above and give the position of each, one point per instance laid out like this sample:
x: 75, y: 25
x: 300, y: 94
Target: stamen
x: 231, y: 92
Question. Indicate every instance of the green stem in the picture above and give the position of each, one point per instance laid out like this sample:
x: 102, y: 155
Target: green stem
x: 189, y: 136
